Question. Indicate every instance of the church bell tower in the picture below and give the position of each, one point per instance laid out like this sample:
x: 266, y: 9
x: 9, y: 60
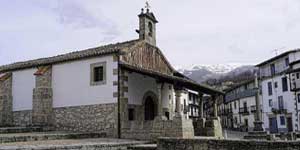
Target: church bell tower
x: 147, y: 26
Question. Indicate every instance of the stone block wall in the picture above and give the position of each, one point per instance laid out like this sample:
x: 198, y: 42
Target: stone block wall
x: 6, y: 100
x: 43, y: 97
x: 22, y: 118
x: 151, y: 130
x: 100, y: 118
x: 215, y: 144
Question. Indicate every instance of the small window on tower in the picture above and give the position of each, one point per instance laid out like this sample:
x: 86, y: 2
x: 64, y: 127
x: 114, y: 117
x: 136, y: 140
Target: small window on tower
x: 150, y: 26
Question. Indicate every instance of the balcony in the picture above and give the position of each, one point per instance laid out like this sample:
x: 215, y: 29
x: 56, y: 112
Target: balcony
x: 253, y: 109
x: 244, y: 111
x: 246, y: 93
x: 295, y: 84
x: 227, y: 111
x: 279, y: 110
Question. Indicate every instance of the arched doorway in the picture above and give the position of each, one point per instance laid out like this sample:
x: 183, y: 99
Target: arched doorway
x: 149, y: 108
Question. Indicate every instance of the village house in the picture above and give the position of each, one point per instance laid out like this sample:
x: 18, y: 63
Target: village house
x: 279, y: 102
x: 240, y: 107
x: 126, y: 90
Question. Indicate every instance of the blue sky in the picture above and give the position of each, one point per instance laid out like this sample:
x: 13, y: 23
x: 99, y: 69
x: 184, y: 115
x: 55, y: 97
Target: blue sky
x: 189, y: 32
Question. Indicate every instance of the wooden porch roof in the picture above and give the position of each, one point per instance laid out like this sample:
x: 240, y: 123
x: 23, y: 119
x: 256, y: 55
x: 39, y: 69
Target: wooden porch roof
x: 177, y: 80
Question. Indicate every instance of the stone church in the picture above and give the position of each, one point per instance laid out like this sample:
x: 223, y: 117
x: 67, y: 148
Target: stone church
x: 125, y: 90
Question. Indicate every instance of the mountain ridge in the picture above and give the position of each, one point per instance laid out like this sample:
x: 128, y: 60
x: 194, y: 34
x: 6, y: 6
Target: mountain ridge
x: 216, y: 75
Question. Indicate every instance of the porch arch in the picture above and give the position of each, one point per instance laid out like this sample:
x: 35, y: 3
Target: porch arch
x: 150, y: 108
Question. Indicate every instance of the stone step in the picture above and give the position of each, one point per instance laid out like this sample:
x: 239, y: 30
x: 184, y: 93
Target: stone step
x: 257, y: 133
x: 78, y: 144
x: 42, y: 136
x: 256, y: 137
x: 143, y: 147
x: 4, y: 130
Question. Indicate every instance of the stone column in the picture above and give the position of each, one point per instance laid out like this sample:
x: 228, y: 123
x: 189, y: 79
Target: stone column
x: 258, y: 123
x: 213, y: 125
x: 6, y: 112
x: 200, y: 111
x: 159, y: 96
x: 160, y: 113
x: 215, y: 107
x: 123, y: 103
x: 178, y: 110
x: 42, y: 110
x: 199, y: 125
x: 180, y: 126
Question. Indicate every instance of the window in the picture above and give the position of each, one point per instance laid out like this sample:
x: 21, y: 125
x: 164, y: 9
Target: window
x: 298, y: 96
x: 150, y: 28
x: 275, y: 84
x: 272, y: 67
x: 246, y: 122
x: 287, y: 61
x: 270, y: 103
x: 234, y: 105
x: 167, y: 114
x: 280, y: 102
x: 245, y: 105
x: 130, y: 114
x: 284, y: 84
x: 282, y: 120
x: 98, y: 73
x: 297, y: 75
x: 270, y: 88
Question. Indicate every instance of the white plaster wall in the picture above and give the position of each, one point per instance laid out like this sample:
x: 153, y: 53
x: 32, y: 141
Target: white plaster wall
x: 294, y: 56
x: 71, y: 83
x: 288, y: 98
x: 138, y: 85
x: 250, y: 102
x: 22, y: 89
x: 235, y: 113
x: 167, y: 95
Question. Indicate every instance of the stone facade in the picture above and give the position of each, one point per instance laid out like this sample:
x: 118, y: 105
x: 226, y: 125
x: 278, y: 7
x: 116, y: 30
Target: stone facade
x: 6, y: 100
x: 100, y: 118
x: 42, y: 97
x: 214, y: 144
x: 22, y: 118
x: 151, y: 130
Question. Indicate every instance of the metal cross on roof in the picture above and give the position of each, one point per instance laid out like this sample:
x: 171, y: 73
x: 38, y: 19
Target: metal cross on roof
x: 147, y: 5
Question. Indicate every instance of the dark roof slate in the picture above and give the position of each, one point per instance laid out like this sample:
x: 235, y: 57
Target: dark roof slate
x: 92, y: 52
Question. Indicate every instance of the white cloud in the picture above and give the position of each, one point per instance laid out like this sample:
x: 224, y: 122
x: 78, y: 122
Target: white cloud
x: 204, y: 32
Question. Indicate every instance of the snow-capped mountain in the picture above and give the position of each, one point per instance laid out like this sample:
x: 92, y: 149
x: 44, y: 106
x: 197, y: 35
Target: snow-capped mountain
x: 202, y: 73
